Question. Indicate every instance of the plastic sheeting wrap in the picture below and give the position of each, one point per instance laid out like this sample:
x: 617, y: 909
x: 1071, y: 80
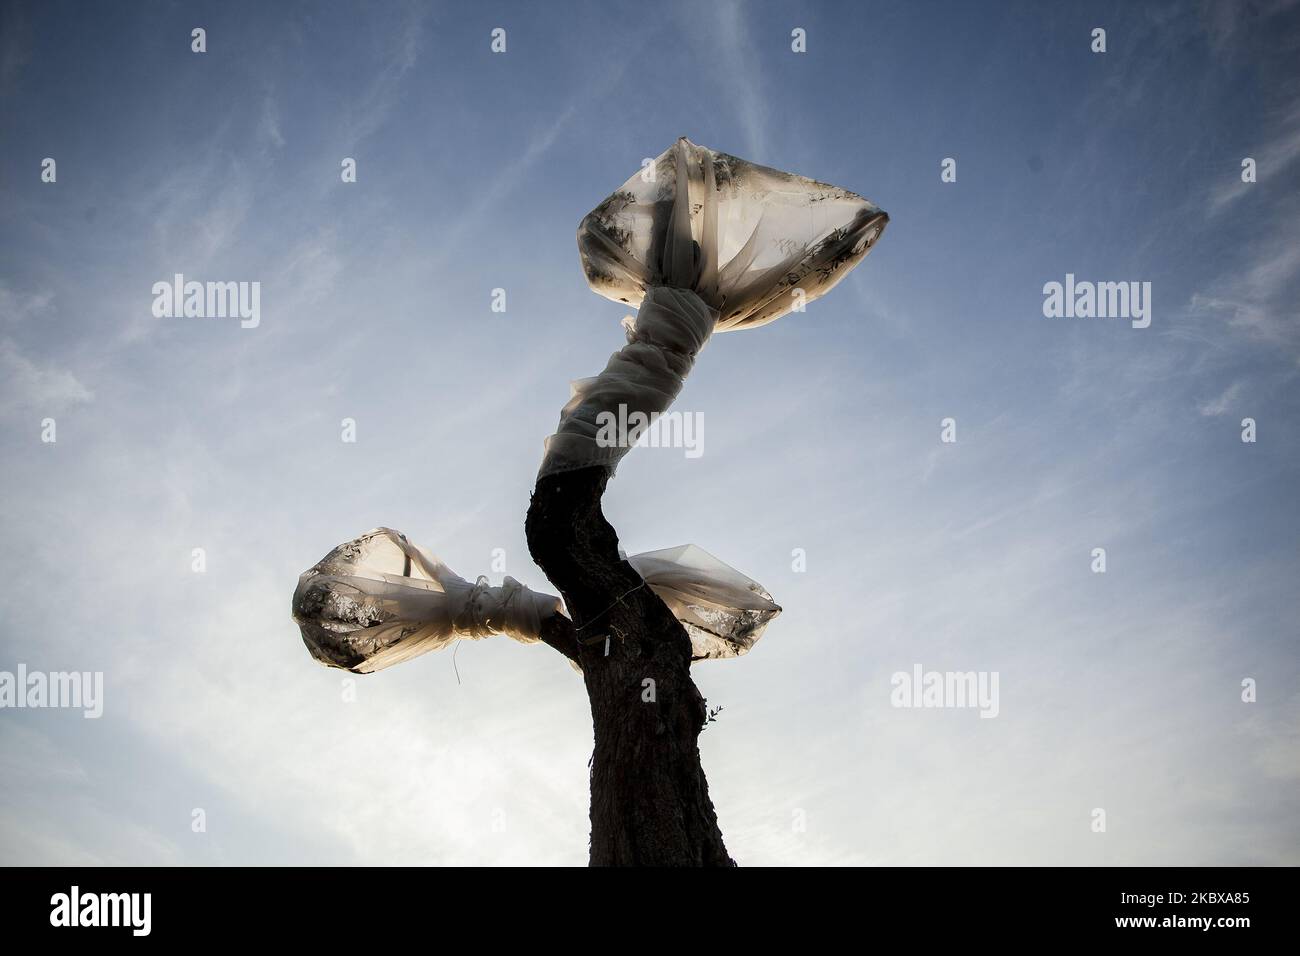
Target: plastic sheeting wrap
x: 722, y: 610
x: 742, y: 236
x: 644, y: 376
x: 704, y: 242
x: 379, y: 600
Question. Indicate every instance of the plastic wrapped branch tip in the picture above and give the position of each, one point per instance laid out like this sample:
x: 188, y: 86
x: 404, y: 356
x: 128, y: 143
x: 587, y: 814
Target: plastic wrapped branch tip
x: 703, y: 242
x: 379, y: 600
x: 741, y: 236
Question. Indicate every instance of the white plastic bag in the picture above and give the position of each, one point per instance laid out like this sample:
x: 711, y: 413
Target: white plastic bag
x: 379, y: 600
x: 643, y: 377
x: 722, y: 610
x: 703, y: 242
x: 745, y: 238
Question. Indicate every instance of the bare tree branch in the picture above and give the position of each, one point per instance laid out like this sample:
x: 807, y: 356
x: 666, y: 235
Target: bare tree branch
x: 650, y: 801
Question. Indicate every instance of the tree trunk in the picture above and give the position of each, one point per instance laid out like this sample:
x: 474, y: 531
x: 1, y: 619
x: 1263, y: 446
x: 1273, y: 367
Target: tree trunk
x: 649, y: 800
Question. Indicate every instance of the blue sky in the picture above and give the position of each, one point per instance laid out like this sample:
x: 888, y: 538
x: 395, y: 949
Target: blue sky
x: 1119, y: 691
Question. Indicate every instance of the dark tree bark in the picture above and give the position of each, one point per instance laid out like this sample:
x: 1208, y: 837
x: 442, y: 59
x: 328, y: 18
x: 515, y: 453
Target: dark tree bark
x: 650, y: 802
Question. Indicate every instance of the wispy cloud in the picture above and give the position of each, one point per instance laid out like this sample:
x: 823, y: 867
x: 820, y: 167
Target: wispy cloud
x: 17, y: 307
x: 1222, y: 20
x: 741, y: 76
x: 1215, y: 407
x: 29, y: 386
x: 1259, y: 303
x: 504, y: 182
x: 1275, y: 157
x: 364, y: 116
x: 269, y: 128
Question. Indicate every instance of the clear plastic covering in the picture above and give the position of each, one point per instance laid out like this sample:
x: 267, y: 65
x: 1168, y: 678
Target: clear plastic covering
x: 379, y: 600
x: 722, y: 610
x: 745, y: 240
x: 643, y: 377
x: 703, y: 242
